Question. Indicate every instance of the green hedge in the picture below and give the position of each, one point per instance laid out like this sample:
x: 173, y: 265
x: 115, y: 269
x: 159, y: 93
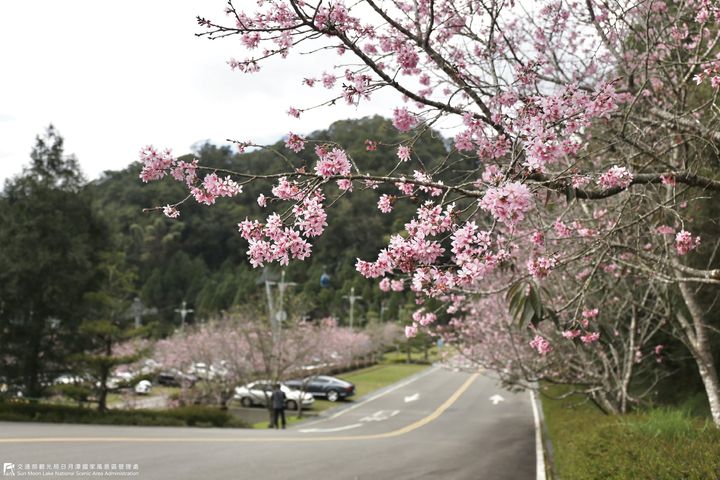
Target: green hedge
x: 661, y: 444
x: 191, y: 416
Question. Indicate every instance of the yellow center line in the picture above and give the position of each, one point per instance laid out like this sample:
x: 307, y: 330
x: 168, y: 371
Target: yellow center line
x: 394, y: 433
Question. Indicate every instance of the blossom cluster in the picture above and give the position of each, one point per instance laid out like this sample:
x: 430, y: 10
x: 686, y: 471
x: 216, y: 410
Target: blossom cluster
x: 333, y: 162
x: 541, y: 345
x: 508, y: 203
x: 684, y: 242
x: 541, y: 267
x: 616, y: 177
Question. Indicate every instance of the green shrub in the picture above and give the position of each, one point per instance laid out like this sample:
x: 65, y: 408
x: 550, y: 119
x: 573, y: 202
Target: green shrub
x: 78, y: 393
x: 184, y: 416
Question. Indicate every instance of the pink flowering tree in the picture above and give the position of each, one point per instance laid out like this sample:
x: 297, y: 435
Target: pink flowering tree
x: 222, y: 349
x: 241, y: 347
x: 562, y: 109
x: 609, y: 354
x: 341, y: 348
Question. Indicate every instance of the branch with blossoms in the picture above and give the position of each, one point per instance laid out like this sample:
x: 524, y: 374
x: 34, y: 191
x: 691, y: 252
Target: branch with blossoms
x: 543, y: 101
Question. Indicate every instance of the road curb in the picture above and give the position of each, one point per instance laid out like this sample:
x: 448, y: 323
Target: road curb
x: 545, y: 442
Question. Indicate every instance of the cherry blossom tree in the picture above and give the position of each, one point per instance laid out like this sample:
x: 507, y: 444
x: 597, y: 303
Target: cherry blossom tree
x: 241, y: 347
x: 589, y: 126
x: 609, y: 354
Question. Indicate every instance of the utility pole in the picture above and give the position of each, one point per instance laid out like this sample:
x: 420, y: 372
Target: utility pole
x: 279, y: 316
x: 183, y: 311
x: 352, y: 297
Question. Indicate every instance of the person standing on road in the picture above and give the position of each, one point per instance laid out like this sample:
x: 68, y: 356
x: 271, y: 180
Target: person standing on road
x: 278, y: 406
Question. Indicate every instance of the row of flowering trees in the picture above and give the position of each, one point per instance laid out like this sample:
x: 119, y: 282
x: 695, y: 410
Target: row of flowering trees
x: 239, y: 348
x: 590, y: 131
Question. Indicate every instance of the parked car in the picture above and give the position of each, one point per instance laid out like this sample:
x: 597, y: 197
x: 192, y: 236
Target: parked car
x: 67, y: 379
x: 259, y: 393
x: 175, y: 378
x: 323, y: 386
x: 112, y: 383
x: 143, y: 387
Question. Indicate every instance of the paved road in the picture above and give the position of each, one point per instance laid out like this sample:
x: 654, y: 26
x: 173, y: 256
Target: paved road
x: 439, y: 425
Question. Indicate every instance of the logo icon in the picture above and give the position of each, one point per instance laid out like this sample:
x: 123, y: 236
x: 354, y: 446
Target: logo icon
x: 8, y: 469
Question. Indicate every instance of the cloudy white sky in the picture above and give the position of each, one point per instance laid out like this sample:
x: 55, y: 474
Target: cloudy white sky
x: 115, y: 76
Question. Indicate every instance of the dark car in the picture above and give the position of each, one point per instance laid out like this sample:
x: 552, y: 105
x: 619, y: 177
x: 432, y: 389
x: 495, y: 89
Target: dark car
x: 176, y: 378
x: 322, y: 386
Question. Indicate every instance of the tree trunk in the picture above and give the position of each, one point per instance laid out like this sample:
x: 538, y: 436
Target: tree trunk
x: 699, y: 345
x: 604, y: 404
x: 709, y: 376
x: 104, y: 373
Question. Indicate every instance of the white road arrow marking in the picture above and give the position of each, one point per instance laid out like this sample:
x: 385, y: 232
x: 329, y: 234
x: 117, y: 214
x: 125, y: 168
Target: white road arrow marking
x: 412, y: 398
x: 379, y: 416
x: 495, y: 399
x: 327, y: 430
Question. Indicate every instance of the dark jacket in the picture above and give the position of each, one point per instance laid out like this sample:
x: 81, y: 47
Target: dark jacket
x: 278, y: 399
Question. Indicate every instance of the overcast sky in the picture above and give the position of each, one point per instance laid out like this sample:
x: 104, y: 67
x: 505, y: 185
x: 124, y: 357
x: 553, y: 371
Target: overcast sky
x: 115, y: 76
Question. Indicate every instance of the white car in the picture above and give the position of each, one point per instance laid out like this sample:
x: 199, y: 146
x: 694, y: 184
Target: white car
x: 68, y: 379
x: 200, y: 370
x: 112, y: 383
x: 143, y: 387
x: 259, y: 393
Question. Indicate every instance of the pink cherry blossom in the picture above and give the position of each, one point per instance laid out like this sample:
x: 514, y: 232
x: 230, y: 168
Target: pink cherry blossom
x: 616, y: 177
x: 541, y: 345
x: 403, y: 120
x: 295, y: 142
x: 170, y: 211
x: 509, y: 203
x: 403, y: 153
x: 385, y: 203
x: 156, y: 163
x: 668, y: 180
x: 345, y: 185
x: 684, y: 242
x: 334, y: 162
x: 411, y: 331
x: 570, y: 334
x: 538, y: 238
x: 590, y: 337
x: 541, y: 267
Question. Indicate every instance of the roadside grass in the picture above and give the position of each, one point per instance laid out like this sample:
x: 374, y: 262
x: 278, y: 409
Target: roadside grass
x: 416, y: 356
x: 658, y: 444
x: 366, y: 380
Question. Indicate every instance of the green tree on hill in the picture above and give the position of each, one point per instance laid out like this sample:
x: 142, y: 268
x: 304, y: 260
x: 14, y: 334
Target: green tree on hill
x: 50, y: 240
